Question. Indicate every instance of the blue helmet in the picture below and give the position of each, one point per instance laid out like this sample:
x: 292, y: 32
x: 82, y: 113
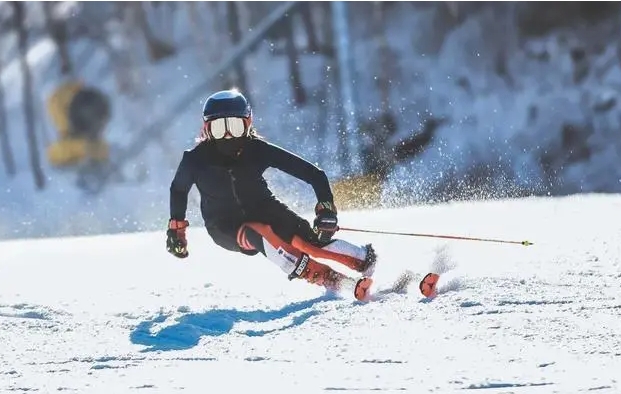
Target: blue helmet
x: 226, y: 103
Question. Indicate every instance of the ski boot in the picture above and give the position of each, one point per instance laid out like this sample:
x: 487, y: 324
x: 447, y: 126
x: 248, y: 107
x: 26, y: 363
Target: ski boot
x: 323, y: 275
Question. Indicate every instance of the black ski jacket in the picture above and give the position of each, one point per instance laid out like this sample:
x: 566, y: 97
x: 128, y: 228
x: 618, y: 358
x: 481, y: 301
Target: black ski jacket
x: 233, y: 189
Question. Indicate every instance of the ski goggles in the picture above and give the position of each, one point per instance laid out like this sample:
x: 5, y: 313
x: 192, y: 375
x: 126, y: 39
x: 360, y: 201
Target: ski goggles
x: 235, y: 127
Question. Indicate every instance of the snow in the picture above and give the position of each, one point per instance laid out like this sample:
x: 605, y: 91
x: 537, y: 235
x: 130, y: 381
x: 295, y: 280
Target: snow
x: 116, y: 313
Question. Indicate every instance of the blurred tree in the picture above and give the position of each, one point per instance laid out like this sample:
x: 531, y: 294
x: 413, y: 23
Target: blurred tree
x: 158, y: 48
x: 306, y: 13
x: 299, y: 93
x: 198, y: 26
x: 19, y: 17
x: 409, y: 148
x: 218, y: 32
x: 5, y: 145
x: 57, y: 29
x: 128, y: 49
x: 348, y: 132
x: 333, y: 88
x: 384, y: 56
x: 538, y: 18
x: 162, y: 15
x: 377, y: 156
x: 323, y: 111
x: 234, y: 29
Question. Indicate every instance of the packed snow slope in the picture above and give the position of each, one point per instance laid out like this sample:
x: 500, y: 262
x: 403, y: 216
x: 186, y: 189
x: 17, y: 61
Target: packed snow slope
x: 117, y: 314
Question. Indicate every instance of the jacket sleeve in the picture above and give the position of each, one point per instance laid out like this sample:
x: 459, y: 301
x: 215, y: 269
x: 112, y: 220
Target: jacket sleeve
x: 300, y: 168
x: 180, y: 188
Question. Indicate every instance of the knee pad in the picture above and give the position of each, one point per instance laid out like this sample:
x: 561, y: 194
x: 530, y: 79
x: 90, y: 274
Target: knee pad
x: 250, y: 242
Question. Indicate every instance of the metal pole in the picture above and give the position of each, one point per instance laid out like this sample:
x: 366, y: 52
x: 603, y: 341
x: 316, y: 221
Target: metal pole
x: 504, y: 241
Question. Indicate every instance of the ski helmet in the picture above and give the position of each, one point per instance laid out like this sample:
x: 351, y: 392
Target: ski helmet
x: 226, y: 103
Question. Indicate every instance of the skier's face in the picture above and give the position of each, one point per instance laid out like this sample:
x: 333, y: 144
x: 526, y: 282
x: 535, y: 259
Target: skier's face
x: 230, y: 146
x: 229, y: 134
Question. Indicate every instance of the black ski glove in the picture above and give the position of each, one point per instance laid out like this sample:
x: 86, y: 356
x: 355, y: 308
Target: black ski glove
x: 326, y: 222
x: 176, y: 243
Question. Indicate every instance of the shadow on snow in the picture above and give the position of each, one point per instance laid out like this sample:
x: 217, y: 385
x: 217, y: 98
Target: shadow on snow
x: 188, y: 329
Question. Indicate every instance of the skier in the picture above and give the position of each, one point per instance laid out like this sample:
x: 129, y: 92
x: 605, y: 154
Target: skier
x: 242, y: 215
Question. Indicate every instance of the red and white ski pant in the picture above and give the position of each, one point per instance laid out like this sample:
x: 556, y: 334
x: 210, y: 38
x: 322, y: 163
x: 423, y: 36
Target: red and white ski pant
x: 261, y: 237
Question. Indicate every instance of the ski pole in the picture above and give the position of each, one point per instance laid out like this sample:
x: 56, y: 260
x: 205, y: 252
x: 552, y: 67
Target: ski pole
x: 524, y: 243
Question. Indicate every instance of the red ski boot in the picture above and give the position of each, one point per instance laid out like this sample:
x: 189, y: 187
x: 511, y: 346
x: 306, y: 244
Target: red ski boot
x: 323, y: 275
x: 317, y: 273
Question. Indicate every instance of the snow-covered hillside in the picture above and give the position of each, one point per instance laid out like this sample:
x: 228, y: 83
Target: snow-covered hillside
x: 516, y: 120
x: 118, y: 314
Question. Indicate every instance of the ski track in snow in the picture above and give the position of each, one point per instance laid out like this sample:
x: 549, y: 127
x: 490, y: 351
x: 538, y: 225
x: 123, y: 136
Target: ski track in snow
x: 116, y: 314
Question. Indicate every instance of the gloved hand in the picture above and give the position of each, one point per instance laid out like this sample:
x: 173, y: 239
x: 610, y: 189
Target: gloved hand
x: 176, y: 243
x: 326, y: 222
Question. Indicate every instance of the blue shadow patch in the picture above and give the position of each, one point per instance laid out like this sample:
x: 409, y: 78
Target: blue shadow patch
x: 188, y: 329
